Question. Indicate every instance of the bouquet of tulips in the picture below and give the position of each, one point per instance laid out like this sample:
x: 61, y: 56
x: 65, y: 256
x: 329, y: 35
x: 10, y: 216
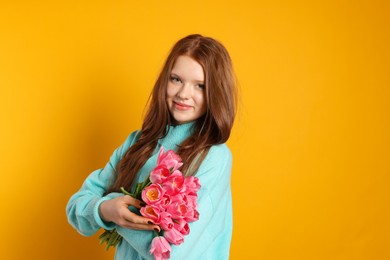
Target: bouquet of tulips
x: 171, y: 203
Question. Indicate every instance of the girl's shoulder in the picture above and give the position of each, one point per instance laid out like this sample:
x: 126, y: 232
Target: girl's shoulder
x: 218, y: 156
x: 216, y: 166
x: 219, y: 152
x: 133, y: 137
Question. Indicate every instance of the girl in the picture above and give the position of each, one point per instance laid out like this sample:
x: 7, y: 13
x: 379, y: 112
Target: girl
x: 191, y: 111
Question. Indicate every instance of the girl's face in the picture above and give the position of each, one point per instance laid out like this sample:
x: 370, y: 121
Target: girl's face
x: 185, y: 90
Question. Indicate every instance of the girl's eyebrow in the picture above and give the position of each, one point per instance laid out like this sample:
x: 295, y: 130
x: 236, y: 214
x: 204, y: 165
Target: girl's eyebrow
x: 173, y: 74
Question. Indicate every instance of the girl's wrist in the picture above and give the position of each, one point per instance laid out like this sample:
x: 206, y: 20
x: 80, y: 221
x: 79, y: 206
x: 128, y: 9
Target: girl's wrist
x: 102, y: 209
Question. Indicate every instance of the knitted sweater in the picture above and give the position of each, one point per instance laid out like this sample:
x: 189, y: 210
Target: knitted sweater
x: 209, y: 236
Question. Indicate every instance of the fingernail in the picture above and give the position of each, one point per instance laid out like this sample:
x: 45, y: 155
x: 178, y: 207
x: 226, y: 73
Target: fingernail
x: 156, y: 229
x: 150, y: 222
x: 142, y: 204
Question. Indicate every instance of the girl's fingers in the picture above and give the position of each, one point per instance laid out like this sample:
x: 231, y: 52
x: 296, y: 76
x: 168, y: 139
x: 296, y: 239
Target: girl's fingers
x: 136, y: 219
x: 130, y: 220
x: 133, y: 202
x: 142, y: 226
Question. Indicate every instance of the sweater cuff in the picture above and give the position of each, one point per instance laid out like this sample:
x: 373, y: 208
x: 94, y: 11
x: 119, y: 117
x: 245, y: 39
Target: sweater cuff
x: 101, y: 223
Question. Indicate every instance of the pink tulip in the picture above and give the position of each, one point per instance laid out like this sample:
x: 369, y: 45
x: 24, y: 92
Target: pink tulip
x: 165, y: 201
x: 152, y: 194
x: 191, y: 200
x: 191, y: 184
x: 192, y: 215
x: 174, y: 183
x: 166, y: 222
x: 151, y: 212
x: 173, y: 236
x: 170, y: 159
x: 179, y: 197
x: 182, y: 226
x: 159, y: 174
x: 177, y: 210
x: 160, y: 248
x: 188, y: 199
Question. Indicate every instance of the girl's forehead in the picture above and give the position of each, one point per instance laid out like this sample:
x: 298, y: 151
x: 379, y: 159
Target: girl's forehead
x: 189, y: 68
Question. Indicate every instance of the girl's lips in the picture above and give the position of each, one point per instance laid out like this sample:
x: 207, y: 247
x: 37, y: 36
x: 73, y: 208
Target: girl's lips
x: 181, y: 106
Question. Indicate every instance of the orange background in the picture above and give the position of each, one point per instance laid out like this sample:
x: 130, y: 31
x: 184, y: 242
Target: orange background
x: 310, y: 144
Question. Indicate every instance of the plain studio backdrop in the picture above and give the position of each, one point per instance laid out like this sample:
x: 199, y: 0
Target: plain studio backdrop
x: 310, y: 144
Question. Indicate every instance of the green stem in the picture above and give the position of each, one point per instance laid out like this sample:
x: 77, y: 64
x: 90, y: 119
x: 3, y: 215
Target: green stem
x: 138, y: 191
x: 146, y: 182
x: 127, y: 193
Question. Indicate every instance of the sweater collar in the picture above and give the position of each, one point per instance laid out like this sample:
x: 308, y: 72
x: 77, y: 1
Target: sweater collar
x: 176, y: 134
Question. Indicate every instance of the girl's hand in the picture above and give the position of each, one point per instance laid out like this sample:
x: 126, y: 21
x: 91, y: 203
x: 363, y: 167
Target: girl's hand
x: 116, y: 210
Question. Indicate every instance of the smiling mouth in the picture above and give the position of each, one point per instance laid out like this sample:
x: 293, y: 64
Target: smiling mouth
x: 181, y: 106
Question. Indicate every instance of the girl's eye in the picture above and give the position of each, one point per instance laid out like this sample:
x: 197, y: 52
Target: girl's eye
x: 202, y: 86
x: 175, y: 79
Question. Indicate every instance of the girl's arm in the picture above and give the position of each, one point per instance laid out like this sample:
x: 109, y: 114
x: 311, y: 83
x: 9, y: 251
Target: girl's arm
x: 83, y: 207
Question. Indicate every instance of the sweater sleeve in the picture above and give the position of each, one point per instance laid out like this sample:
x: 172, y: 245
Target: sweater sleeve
x: 210, y: 236
x: 83, y: 207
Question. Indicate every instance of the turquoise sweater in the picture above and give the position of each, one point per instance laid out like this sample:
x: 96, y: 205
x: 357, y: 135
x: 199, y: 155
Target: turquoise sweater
x: 209, y: 237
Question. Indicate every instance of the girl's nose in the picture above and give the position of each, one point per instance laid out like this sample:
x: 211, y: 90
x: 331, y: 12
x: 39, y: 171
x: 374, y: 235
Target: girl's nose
x: 184, y: 92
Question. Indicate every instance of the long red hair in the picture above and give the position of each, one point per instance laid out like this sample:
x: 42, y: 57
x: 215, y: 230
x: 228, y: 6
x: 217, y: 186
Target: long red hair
x: 212, y: 128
